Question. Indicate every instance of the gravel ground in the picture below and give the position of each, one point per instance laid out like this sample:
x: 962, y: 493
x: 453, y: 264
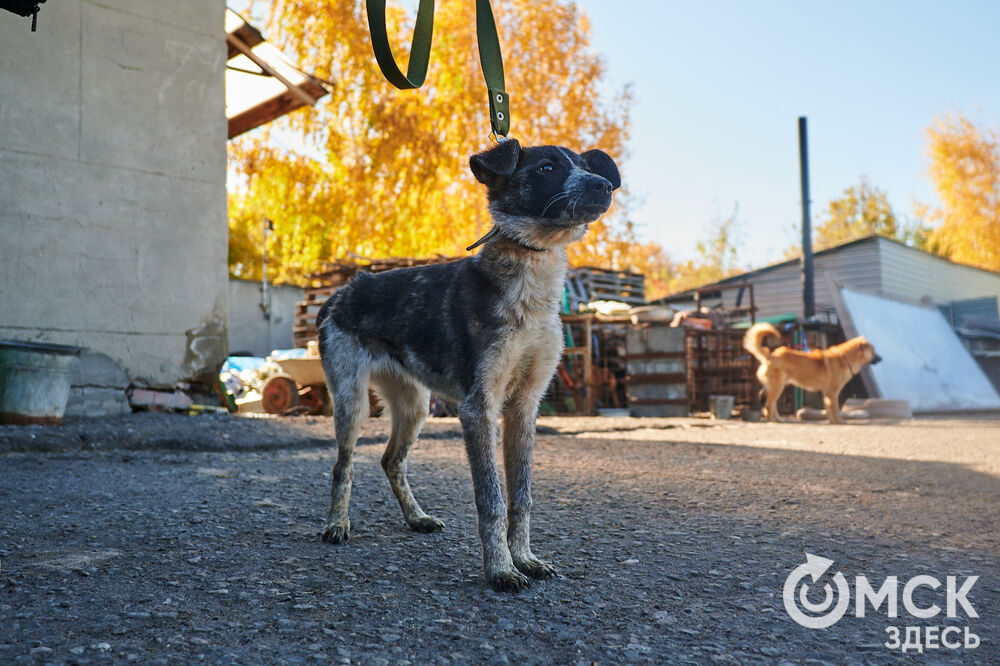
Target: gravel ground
x: 172, y: 539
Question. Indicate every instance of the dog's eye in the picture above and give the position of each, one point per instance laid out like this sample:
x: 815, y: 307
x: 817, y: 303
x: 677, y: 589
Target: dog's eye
x: 548, y: 167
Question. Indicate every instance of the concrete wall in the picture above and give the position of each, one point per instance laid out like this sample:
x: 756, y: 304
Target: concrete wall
x: 112, y: 195
x: 249, y: 328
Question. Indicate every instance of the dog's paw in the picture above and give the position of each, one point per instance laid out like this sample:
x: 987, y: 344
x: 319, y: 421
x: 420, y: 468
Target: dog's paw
x: 337, y: 532
x: 508, y: 580
x: 534, y: 567
x: 425, y: 524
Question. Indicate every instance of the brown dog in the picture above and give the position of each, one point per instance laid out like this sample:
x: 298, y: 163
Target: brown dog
x: 823, y: 370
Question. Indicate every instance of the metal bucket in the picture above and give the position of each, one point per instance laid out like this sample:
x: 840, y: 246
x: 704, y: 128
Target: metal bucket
x: 721, y: 406
x: 34, y: 381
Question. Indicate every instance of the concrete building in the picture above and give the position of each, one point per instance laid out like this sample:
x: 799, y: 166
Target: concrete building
x: 872, y: 265
x: 112, y: 195
x: 260, y: 323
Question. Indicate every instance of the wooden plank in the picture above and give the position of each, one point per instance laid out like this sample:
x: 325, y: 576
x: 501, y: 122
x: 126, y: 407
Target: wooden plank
x: 595, y: 317
x: 656, y: 378
x: 263, y: 113
x: 615, y: 284
x: 249, y: 35
x: 650, y: 356
x: 657, y: 401
x: 233, y: 40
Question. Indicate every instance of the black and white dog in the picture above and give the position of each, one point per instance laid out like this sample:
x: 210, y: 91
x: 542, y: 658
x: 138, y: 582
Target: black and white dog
x: 482, y: 331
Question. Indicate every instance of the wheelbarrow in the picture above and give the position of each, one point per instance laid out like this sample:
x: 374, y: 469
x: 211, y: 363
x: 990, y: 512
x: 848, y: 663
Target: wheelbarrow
x: 300, y: 388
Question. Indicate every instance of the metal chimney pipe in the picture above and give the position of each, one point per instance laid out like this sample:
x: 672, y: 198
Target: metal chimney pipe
x: 808, y: 287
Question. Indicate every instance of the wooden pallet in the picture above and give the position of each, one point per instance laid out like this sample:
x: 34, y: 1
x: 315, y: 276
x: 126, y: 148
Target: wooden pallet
x: 598, y: 284
x: 325, y: 284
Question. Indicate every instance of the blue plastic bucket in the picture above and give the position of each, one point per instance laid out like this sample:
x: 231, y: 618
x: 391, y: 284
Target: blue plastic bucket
x: 34, y: 381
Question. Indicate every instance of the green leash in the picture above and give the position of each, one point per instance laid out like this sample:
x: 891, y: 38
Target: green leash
x: 420, y: 51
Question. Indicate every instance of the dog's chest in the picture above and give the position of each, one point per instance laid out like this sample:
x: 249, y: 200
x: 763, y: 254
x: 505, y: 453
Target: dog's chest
x: 530, y: 303
x: 531, y: 297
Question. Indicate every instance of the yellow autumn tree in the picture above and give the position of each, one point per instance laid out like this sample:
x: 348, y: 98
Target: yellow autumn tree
x: 965, y: 170
x: 381, y: 172
x: 862, y: 210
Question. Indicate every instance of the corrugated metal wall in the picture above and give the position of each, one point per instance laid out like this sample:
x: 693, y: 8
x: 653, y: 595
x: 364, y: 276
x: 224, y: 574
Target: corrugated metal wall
x: 957, y: 312
x: 779, y: 290
x: 874, y: 266
x: 908, y: 275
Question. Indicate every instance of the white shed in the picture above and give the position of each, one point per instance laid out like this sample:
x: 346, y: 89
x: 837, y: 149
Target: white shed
x: 872, y: 265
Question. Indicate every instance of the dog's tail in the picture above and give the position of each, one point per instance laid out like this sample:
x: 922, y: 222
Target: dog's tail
x: 754, y: 339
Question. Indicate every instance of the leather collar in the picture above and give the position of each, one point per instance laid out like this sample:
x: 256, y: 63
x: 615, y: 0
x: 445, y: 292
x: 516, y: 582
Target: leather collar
x: 495, y: 231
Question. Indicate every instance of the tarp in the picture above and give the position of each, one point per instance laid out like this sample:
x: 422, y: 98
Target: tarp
x: 923, y: 360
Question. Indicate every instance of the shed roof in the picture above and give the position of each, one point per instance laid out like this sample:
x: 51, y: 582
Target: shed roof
x: 261, y: 83
x: 749, y: 276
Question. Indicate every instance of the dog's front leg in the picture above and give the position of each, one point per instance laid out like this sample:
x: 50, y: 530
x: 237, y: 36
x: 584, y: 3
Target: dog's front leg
x: 479, y: 419
x: 518, y: 449
x: 830, y: 401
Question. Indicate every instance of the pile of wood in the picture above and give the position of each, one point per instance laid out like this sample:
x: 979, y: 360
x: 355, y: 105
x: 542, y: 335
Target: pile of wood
x: 335, y: 276
x: 587, y: 284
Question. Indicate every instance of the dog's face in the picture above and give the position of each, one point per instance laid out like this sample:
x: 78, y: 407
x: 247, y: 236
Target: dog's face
x: 868, y: 354
x: 545, y: 195
x: 861, y: 352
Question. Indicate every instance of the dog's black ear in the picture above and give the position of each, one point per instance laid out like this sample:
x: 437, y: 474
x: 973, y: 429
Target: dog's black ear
x: 497, y: 163
x: 600, y: 162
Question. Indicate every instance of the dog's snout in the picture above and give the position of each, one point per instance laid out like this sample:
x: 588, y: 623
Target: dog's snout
x: 875, y: 359
x: 601, y: 186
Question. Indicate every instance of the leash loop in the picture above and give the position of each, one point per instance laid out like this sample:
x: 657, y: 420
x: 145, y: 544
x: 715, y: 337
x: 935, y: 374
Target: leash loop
x: 420, y: 47
x: 490, y: 58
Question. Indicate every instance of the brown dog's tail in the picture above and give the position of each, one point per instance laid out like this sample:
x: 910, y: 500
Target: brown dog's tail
x: 754, y: 339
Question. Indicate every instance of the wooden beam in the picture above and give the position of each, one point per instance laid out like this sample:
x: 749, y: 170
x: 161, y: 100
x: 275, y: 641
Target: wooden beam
x: 656, y: 378
x: 249, y: 35
x: 657, y: 401
x: 263, y: 113
x: 269, y: 110
x: 242, y: 46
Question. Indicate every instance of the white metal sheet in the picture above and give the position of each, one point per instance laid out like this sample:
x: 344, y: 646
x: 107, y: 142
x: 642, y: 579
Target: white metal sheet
x: 923, y: 360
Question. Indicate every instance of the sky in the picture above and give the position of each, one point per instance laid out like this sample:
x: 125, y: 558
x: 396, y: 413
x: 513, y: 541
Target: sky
x: 719, y: 87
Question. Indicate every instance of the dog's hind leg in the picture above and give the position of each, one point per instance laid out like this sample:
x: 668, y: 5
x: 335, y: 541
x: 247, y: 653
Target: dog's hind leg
x: 773, y: 387
x: 830, y: 401
x: 519, y: 417
x: 408, y: 405
x: 347, y: 373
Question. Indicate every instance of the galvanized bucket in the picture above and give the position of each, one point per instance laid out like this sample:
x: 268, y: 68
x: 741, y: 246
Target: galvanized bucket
x: 34, y: 381
x: 721, y: 406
